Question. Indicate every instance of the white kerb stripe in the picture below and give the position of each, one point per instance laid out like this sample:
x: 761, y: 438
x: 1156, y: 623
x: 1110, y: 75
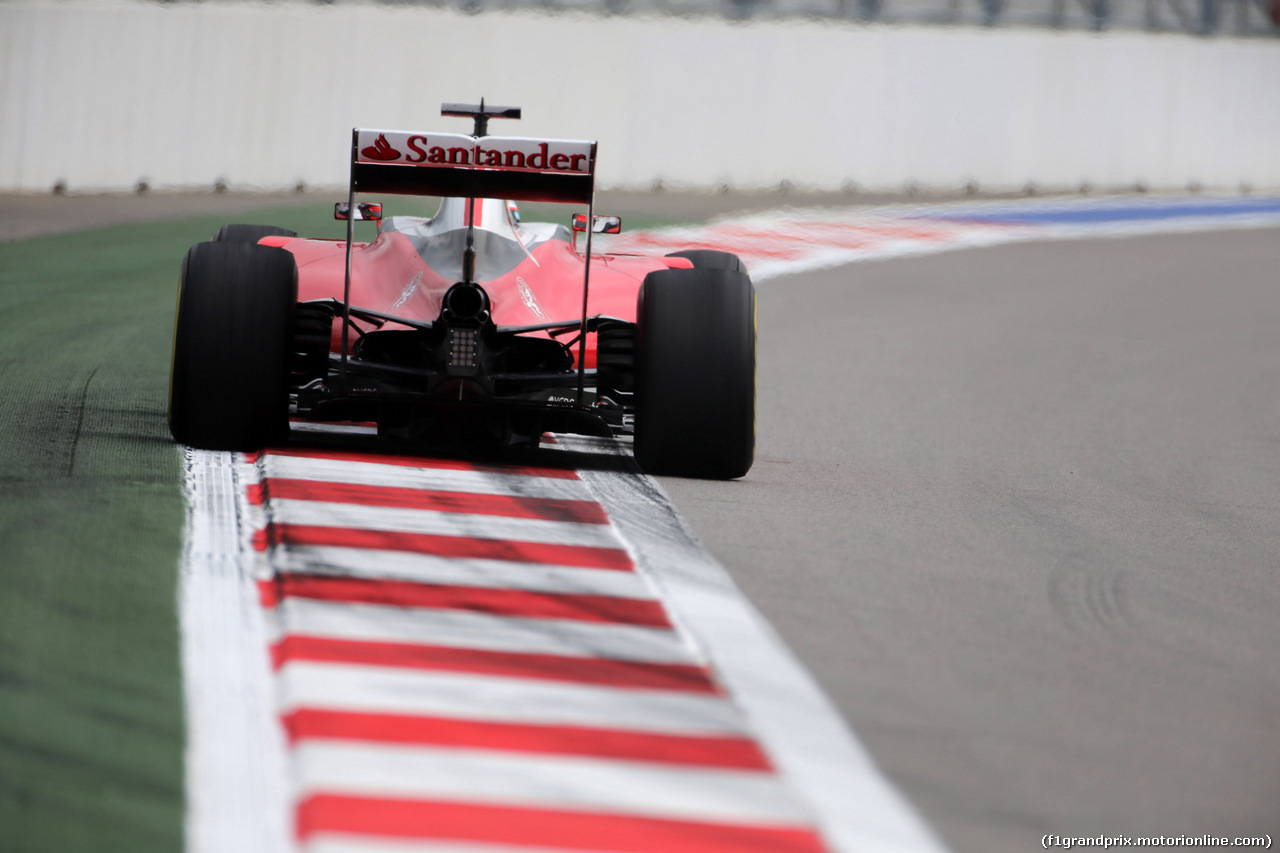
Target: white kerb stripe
x: 393, y: 519
x: 237, y: 793
x: 432, y: 479
x: 548, y: 781
x: 370, y: 689
x: 426, y: 568
x: 467, y: 630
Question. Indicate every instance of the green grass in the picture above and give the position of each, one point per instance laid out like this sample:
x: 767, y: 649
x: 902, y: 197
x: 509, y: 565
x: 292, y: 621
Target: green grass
x: 91, y: 731
x: 91, y: 516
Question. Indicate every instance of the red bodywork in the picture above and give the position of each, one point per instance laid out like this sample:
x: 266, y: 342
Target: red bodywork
x: 389, y: 276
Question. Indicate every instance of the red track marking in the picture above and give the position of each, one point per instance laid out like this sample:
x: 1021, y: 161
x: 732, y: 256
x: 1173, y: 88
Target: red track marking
x: 570, y: 830
x: 603, y: 672
x: 727, y: 752
x: 464, y: 547
x: 794, y: 240
x: 518, y: 603
x: 825, y: 233
x: 510, y: 506
x: 416, y: 462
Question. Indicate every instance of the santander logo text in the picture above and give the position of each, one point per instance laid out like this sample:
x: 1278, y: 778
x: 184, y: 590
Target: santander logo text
x: 466, y: 152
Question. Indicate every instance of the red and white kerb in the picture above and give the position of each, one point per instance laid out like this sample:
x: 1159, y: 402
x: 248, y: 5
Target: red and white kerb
x: 467, y: 658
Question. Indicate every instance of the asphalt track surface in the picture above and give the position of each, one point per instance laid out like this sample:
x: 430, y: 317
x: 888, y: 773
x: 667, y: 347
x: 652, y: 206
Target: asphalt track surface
x: 1016, y: 508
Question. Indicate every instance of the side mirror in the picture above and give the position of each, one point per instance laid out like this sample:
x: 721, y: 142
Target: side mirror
x: 599, y: 224
x: 364, y: 210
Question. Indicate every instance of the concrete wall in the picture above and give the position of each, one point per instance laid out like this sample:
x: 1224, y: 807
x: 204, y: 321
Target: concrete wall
x: 102, y: 94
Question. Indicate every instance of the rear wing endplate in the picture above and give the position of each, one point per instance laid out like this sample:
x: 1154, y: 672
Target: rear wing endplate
x: 448, y: 164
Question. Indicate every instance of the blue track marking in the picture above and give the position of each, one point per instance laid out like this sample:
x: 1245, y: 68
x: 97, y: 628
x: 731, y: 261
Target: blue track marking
x: 1108, y: 211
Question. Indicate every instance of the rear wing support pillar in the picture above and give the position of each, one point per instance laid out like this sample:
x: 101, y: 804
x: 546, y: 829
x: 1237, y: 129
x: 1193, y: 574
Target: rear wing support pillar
x: 346, y: 284
x: 586, y: 286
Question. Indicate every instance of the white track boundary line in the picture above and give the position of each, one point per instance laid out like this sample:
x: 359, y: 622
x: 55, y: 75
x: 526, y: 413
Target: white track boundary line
x: 856, y: 807
x: 237, y: 797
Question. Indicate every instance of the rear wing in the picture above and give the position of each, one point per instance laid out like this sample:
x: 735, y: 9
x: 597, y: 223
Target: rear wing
x: 450, y: 164
x: 479, y: 166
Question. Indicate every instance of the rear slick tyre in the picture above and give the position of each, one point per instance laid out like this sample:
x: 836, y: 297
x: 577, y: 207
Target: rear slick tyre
x: 695, y: 374
x: 250, y: 233
x: 710, y: 259
x: 229, y: 384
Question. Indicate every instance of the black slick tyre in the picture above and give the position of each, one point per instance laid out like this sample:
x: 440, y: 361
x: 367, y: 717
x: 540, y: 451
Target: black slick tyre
x: 710, y: 259
x: 695, y: 373
x: 232, y: 347
x: 250, y: 233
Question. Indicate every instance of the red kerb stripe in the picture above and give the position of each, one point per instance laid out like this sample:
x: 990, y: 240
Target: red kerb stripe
x: 501, y: 602
x: 728, y: 752
x: 512, y: 506
x: 580, y: 670
x: 420, y: 462
x: 578, y: 556
x: 571, y: 830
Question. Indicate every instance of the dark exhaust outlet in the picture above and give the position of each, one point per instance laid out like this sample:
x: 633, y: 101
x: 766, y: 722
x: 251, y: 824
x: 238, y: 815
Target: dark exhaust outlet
x: 466, y: 302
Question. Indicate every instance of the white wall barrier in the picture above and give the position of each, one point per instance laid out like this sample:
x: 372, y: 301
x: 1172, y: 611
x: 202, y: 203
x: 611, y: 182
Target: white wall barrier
x: 102, y: 93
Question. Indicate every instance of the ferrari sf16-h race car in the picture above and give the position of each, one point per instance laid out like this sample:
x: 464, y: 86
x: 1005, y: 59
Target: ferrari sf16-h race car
x: 470, y: 323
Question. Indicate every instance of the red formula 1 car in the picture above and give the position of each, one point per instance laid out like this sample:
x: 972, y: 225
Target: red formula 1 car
x: 471, y: 323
